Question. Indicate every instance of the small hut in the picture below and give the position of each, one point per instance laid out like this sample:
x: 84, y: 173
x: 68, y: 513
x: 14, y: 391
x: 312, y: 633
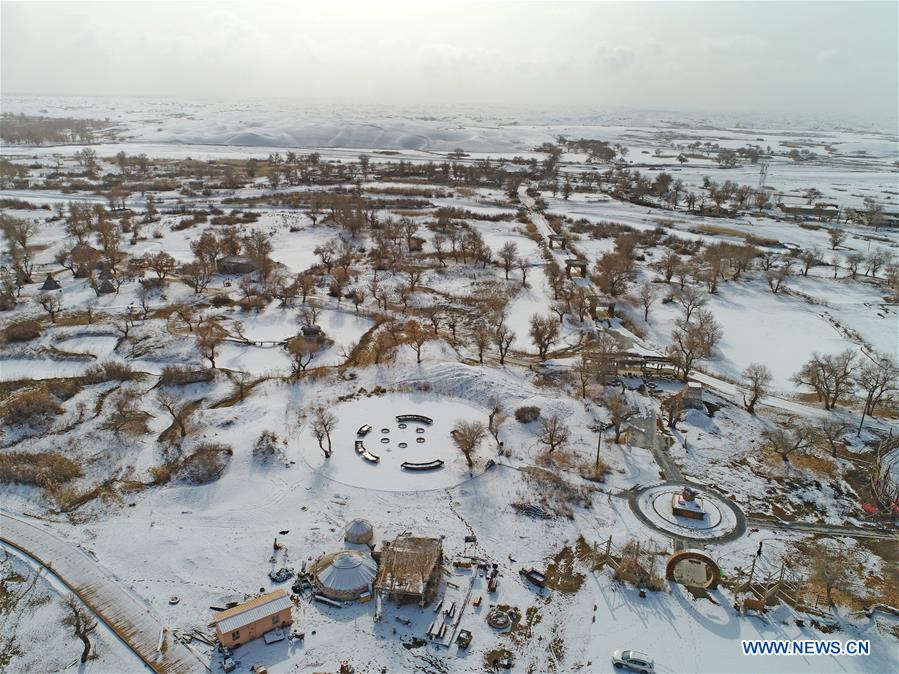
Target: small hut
x: 253, y: 618
x: 358, y: 531
x: 345, y: 575
x: 50, y: 283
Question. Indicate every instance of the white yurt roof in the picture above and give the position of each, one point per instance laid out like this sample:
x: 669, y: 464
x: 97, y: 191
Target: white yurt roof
x: 359, y: 531
x: 345, y: 573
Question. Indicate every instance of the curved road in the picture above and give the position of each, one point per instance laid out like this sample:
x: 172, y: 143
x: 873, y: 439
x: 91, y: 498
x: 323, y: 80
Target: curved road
x: 122, y: 611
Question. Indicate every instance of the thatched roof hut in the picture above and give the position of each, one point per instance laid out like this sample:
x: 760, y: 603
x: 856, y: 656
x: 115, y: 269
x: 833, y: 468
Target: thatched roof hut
x: 410, y: 569
x: 50, y: 283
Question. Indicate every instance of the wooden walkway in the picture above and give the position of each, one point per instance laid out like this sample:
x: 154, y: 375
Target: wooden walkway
x: 123, y: 612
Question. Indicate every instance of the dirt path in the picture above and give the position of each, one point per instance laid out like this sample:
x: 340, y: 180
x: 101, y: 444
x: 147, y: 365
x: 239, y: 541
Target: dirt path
x: 124, y: 613
x: 824, y: 529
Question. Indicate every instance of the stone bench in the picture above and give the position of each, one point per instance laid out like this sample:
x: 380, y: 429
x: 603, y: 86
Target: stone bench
x: 415, y: 417
x: 427, y: 465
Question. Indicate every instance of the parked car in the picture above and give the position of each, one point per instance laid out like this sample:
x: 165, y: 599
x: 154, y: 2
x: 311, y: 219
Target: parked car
x: 634, y: 660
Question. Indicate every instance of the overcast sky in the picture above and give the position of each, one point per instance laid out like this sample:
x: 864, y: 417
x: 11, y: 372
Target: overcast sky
x: 806, y: 57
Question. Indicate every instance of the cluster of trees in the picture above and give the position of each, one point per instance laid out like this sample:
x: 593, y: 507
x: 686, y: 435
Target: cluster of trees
x: 833, y: 377
x: 36, y: 130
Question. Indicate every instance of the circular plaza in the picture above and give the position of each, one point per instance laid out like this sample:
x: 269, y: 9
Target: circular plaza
x: 395, y: 442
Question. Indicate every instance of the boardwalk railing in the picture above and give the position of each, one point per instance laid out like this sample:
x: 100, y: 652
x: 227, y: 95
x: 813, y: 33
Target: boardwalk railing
x: 124, y: 613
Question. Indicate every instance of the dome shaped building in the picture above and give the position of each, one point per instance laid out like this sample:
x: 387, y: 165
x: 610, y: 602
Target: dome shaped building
x: 344, y: 575
x: 359, y: 531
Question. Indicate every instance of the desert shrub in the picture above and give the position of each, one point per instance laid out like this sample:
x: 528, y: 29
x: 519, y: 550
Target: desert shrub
x: 181, y: 375
x: 63, y: 388
x: 42, y: 469
x: 33, y: 407
x: 254, y: 303
x: 162, y: 473
x: 153, y: 283
x: 268, y: 447
x: 205, y: 464
x: 22, y: 332
x: 220, y: 300
x: 527, y: 414
x: 109, y: 371
x: 554, y: 494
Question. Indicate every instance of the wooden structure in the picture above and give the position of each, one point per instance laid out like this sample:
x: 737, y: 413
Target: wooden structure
x: 50, y: 283
x: 558, y: 239
x: 409, y: 569
x: 235, y: 264
x: 123, y: 612
x: 575, y: 263
x: 252, y: 619
x: 711, y: 574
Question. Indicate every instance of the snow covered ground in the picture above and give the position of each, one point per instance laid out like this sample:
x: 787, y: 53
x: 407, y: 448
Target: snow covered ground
x: 206, y: 542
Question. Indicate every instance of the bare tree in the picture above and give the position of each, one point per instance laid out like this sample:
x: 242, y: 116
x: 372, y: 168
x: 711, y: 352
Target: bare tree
x: 302, y: 350
x: 777, y: 276
x: 693, y: 341
x: 647, y: 296
x: 830, y: 567
x: 544, y: 331
x: 161, y: 263
x: 791, y: 440
x: 51, y: 304
x: 503, y: 338
x: 829, y: 375
x: 197, y: 275
x: 584, y: 371
x: 210, y: 335
x: 756, y: 380
x: 553, y: 432
x: 417, y: 335
x: 481, y: 336
x: 81, y: 622
x: 837, y: 237
x: 468, y: 436
x: 690, y: 298
x: 178, y: 410
x: 495, y: 420
x: 508, y: 256
x: 615, y: 271
x: 669, y: 265
x: 876, y: 377
x: 620, y: 410
x: 323, y: 423
x: 831, y: 431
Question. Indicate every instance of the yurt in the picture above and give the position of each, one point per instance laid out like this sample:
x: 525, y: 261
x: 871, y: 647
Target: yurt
x: 358, y: 531
x: 344, y: 575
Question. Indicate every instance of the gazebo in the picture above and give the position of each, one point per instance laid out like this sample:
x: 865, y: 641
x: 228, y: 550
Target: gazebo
x: 344, y: 575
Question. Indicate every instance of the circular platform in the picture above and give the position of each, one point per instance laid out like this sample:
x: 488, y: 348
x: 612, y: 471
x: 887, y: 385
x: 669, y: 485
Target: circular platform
x: 381, y: 466
x: 709, y: 517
